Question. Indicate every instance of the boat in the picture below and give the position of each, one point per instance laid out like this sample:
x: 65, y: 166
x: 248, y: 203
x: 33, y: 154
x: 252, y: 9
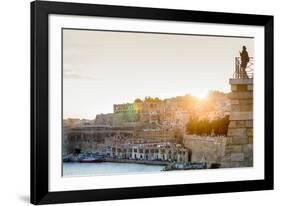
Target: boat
x: 66, y: 158
x: 185, y: 166
x: 90, y: 160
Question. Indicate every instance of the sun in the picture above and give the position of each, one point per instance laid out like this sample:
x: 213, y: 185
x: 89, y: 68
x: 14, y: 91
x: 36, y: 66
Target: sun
x: 200, y: 95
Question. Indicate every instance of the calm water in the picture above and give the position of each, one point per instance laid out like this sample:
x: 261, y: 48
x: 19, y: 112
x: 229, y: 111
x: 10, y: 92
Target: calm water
x: 107, y: 168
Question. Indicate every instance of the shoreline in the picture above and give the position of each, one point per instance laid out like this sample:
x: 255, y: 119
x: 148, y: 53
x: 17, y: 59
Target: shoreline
x: 145, y: 162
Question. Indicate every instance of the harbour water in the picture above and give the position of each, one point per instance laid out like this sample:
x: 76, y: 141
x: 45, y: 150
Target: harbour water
x: 106, y: 168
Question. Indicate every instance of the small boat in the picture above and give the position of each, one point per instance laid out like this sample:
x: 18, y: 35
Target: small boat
x: 66, y: 158
x: 90, y: 160
x: 185, y: 166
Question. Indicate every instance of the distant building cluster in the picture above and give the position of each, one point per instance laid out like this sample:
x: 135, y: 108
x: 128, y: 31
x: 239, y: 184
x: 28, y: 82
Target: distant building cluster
x: 77, y: 123
x: 173, y: 112
x: 152, y: 151
x: 149, y: 130
x: 166, y: 112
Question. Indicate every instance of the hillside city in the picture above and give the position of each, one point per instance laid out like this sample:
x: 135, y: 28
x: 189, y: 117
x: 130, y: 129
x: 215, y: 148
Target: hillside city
x: 149, y: 130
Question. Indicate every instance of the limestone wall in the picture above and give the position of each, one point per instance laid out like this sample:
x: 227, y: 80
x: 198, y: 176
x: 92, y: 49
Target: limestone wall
x: 239, y: 147
x: 209, y: 147
x: 118, y: 119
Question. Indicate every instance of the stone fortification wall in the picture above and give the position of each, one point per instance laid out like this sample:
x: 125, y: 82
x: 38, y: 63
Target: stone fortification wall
x: 239, y: 147
x: 209, y: 148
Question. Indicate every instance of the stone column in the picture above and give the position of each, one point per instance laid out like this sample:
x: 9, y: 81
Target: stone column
x: 239, y: 144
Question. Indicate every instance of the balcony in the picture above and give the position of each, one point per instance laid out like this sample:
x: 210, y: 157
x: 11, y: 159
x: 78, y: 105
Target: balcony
x: 241, y: 73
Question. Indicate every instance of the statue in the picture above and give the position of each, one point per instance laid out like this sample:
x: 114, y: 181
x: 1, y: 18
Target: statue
x: 244, y: 61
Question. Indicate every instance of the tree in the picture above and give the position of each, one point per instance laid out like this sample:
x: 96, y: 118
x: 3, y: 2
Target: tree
x: 205, y: 127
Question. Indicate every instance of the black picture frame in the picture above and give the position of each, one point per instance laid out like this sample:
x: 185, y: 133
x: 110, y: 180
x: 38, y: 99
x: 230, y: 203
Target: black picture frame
x: 40, y: 109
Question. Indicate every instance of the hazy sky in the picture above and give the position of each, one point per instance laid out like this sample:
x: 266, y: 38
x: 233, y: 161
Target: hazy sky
x: 101, y: 68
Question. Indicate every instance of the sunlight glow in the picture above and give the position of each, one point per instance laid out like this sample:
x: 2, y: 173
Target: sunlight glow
x: 200, y: 95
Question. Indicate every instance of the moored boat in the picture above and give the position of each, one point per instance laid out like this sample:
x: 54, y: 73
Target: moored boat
x: 185, y: 166
x: 90, y: 160
x: 66, y: 158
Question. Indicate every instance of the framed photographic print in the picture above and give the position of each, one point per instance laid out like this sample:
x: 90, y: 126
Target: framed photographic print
x: 130, y: 102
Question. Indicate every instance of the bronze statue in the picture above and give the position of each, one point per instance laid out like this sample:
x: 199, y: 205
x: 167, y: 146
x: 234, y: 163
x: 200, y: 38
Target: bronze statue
x: 244, y: 61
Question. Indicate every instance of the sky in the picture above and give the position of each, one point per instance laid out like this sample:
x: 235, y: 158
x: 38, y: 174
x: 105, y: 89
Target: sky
x: 102, y: 68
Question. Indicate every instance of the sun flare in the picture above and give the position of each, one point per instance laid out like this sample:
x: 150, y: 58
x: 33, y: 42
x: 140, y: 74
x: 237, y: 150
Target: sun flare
x: 200, y: 95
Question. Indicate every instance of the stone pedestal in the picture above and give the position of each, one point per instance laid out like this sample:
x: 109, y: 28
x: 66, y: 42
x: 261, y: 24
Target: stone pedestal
x: 239, y: 144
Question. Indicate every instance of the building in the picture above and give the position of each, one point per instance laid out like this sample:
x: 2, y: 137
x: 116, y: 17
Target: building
x: 128, y: 107
x: 153, y: 152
